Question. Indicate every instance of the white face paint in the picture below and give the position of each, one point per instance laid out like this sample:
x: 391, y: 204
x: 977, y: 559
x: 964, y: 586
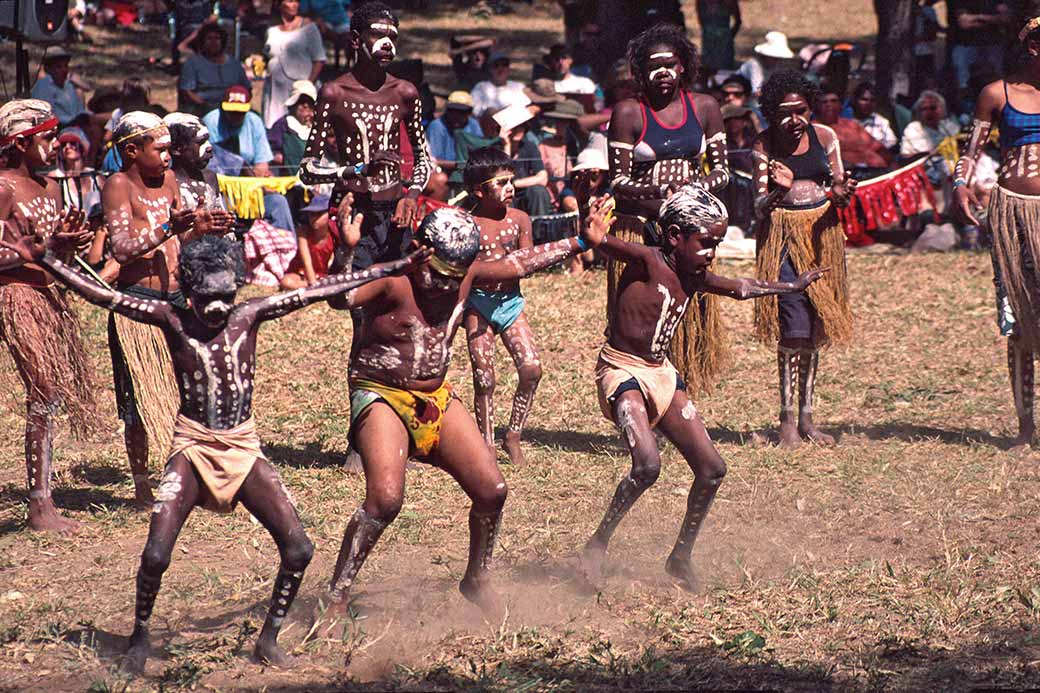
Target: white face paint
x: 163, y: 138
x: 665, y: 54
x: 664, y: 72
x: 205, y: 149
x: 385, y: 44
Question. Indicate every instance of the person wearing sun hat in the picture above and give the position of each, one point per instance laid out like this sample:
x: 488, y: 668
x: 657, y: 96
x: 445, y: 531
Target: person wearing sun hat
x: 440, y: 133
x: 557, y: 123
x: 768, y: 56
x: 532, y: 195
x: 288, y: 135
x: 80, y: 184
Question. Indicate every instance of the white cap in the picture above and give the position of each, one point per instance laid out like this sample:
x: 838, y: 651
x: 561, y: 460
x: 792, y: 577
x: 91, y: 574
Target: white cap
x: 775, y: 46
x: 301, y: 87
x: 591, y: 158
x: 511, y: 116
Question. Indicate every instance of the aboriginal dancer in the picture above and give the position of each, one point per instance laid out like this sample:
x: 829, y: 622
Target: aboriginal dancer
x: 656, y: 141
x: 1013, y: 104
x: 799, y: 179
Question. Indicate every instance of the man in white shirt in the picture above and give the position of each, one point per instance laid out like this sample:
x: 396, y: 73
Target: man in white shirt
x: 560, y: 60
x: 500, y: 91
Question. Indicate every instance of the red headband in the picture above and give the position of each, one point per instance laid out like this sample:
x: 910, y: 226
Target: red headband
x: 46, y: 125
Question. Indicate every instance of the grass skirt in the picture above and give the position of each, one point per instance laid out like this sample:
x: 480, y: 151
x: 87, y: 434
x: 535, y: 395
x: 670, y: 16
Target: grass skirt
x: 1014, y: 222
x: 812, y: 238
x: 155, y: 386
x: 698, y: 349
x: 43, y: 335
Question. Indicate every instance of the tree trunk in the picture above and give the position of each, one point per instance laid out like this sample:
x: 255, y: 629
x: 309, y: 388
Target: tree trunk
x: 893, y: 51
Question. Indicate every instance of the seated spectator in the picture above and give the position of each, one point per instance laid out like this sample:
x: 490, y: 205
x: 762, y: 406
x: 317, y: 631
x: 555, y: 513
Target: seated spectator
x: 61, y: 88
x: 316, y: 244
x: 188, y: 18
x: 208, y: 72
x: 330, y: 16
x: 739, y: 195
x: 440, y: 133
x: 560, y: 60
x: 469, y: 60
x: 80, y: 184
x: 532, y: 196
x: 588, y: 53
x: 769, y: 55
x: 557, y: 124
x: 929, y: 127
x: 498, y: 92
x: 236, y: 129
x: 289, y: 134
x: 736, y: 91
x: 590, y: 178
x: 863, y: 155
x: 863, y: 109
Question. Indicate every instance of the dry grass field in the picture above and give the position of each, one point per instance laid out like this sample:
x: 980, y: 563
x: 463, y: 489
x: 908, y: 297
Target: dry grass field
x: 905, y: 558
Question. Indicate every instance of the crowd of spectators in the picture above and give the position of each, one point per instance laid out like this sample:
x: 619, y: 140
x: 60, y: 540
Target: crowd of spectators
x: 550, y: 121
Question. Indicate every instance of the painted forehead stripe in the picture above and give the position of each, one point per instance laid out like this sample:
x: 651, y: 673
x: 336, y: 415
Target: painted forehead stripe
x: 46, y: 125
x: 381, y: 26
x: 666, y: 54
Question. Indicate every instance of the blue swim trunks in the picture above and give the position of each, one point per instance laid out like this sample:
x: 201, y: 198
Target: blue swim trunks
x: 500, y: 308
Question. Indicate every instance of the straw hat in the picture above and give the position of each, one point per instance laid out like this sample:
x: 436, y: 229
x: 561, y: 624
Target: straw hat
x: 591, y: 158
x: 511, y: 116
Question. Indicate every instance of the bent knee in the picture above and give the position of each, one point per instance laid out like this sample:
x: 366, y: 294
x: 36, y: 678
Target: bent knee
x: 491, y: 496
x: 646, y: 468
x: 155, y: 559
x: 483, y: 380
x: 530, y: 372
x: 384, y: 506
x: 714, y: 471
x: 298, y: 553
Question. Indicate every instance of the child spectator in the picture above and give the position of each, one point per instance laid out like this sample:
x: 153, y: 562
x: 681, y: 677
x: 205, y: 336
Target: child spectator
x: 532, y: 196
x: 289, y: 134
x: 553, y: 149
x: 316, y: 243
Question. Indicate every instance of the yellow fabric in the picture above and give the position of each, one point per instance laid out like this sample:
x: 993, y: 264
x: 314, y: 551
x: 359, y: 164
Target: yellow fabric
x: 245, y: 194
x: 422, y: 413
x: 656, y: 381
x: 223, y: 459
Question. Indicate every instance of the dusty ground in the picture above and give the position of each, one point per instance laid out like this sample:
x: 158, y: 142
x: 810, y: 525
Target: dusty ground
x: 905, y: 558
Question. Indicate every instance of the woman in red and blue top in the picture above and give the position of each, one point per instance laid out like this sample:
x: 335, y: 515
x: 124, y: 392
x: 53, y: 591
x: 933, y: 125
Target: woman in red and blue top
x: 1013, y: 103
x: 657, y: 141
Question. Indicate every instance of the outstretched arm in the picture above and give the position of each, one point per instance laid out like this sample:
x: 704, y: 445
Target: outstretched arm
x: 281, y: 304
x: 34, y: 249
x: 743, y: 289
x: 525, y: 261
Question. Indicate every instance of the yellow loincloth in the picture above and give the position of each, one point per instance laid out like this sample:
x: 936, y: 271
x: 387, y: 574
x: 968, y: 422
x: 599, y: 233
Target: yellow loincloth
x: 422, y: 413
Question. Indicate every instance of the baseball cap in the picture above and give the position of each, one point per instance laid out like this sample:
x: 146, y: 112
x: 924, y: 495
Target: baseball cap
x: 459, y: 101
x: 236, y: 99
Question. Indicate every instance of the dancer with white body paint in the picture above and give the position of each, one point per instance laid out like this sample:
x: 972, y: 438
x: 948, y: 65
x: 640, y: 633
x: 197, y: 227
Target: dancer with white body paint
x: 499, y: 309
x: 41, y: 331
x: 799, y: 180
x: 656, y: 144
x: 147, y: 221
x: 1012, y: 103
x: 639, y: 389
x: 215, y: 460
x: 190, y: 153
x: 401, y: 405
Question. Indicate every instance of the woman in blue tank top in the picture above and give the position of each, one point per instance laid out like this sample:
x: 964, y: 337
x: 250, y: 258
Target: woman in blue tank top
x: 798, y: 180
x: 656, y: 143
x: 1012, y: 103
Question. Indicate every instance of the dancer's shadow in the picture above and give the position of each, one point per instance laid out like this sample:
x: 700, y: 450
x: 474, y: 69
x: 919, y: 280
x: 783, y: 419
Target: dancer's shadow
x: 570, y: 440
x: 307, y: 456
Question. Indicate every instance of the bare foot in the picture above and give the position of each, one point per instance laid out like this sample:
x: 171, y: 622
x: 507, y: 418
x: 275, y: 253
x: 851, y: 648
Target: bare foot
x: 682, y: 570
x: 137, y: 654
x: 789, y: 436
x: 1023, y: 440
x: 484, y: 596
x: 337, y: 608
x: 814, y: 435
x: 590, y: 563
x: 511, y: 444
x: 268, y: 651
x: 44, y: 517
x: 353, y: 465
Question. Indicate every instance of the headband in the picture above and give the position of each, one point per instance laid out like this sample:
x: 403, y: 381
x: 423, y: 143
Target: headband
x: 445, y: 268
x: 46, y: 125
x: 492, y: 179
x: 1030, y: 26
x: 141, y: 133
